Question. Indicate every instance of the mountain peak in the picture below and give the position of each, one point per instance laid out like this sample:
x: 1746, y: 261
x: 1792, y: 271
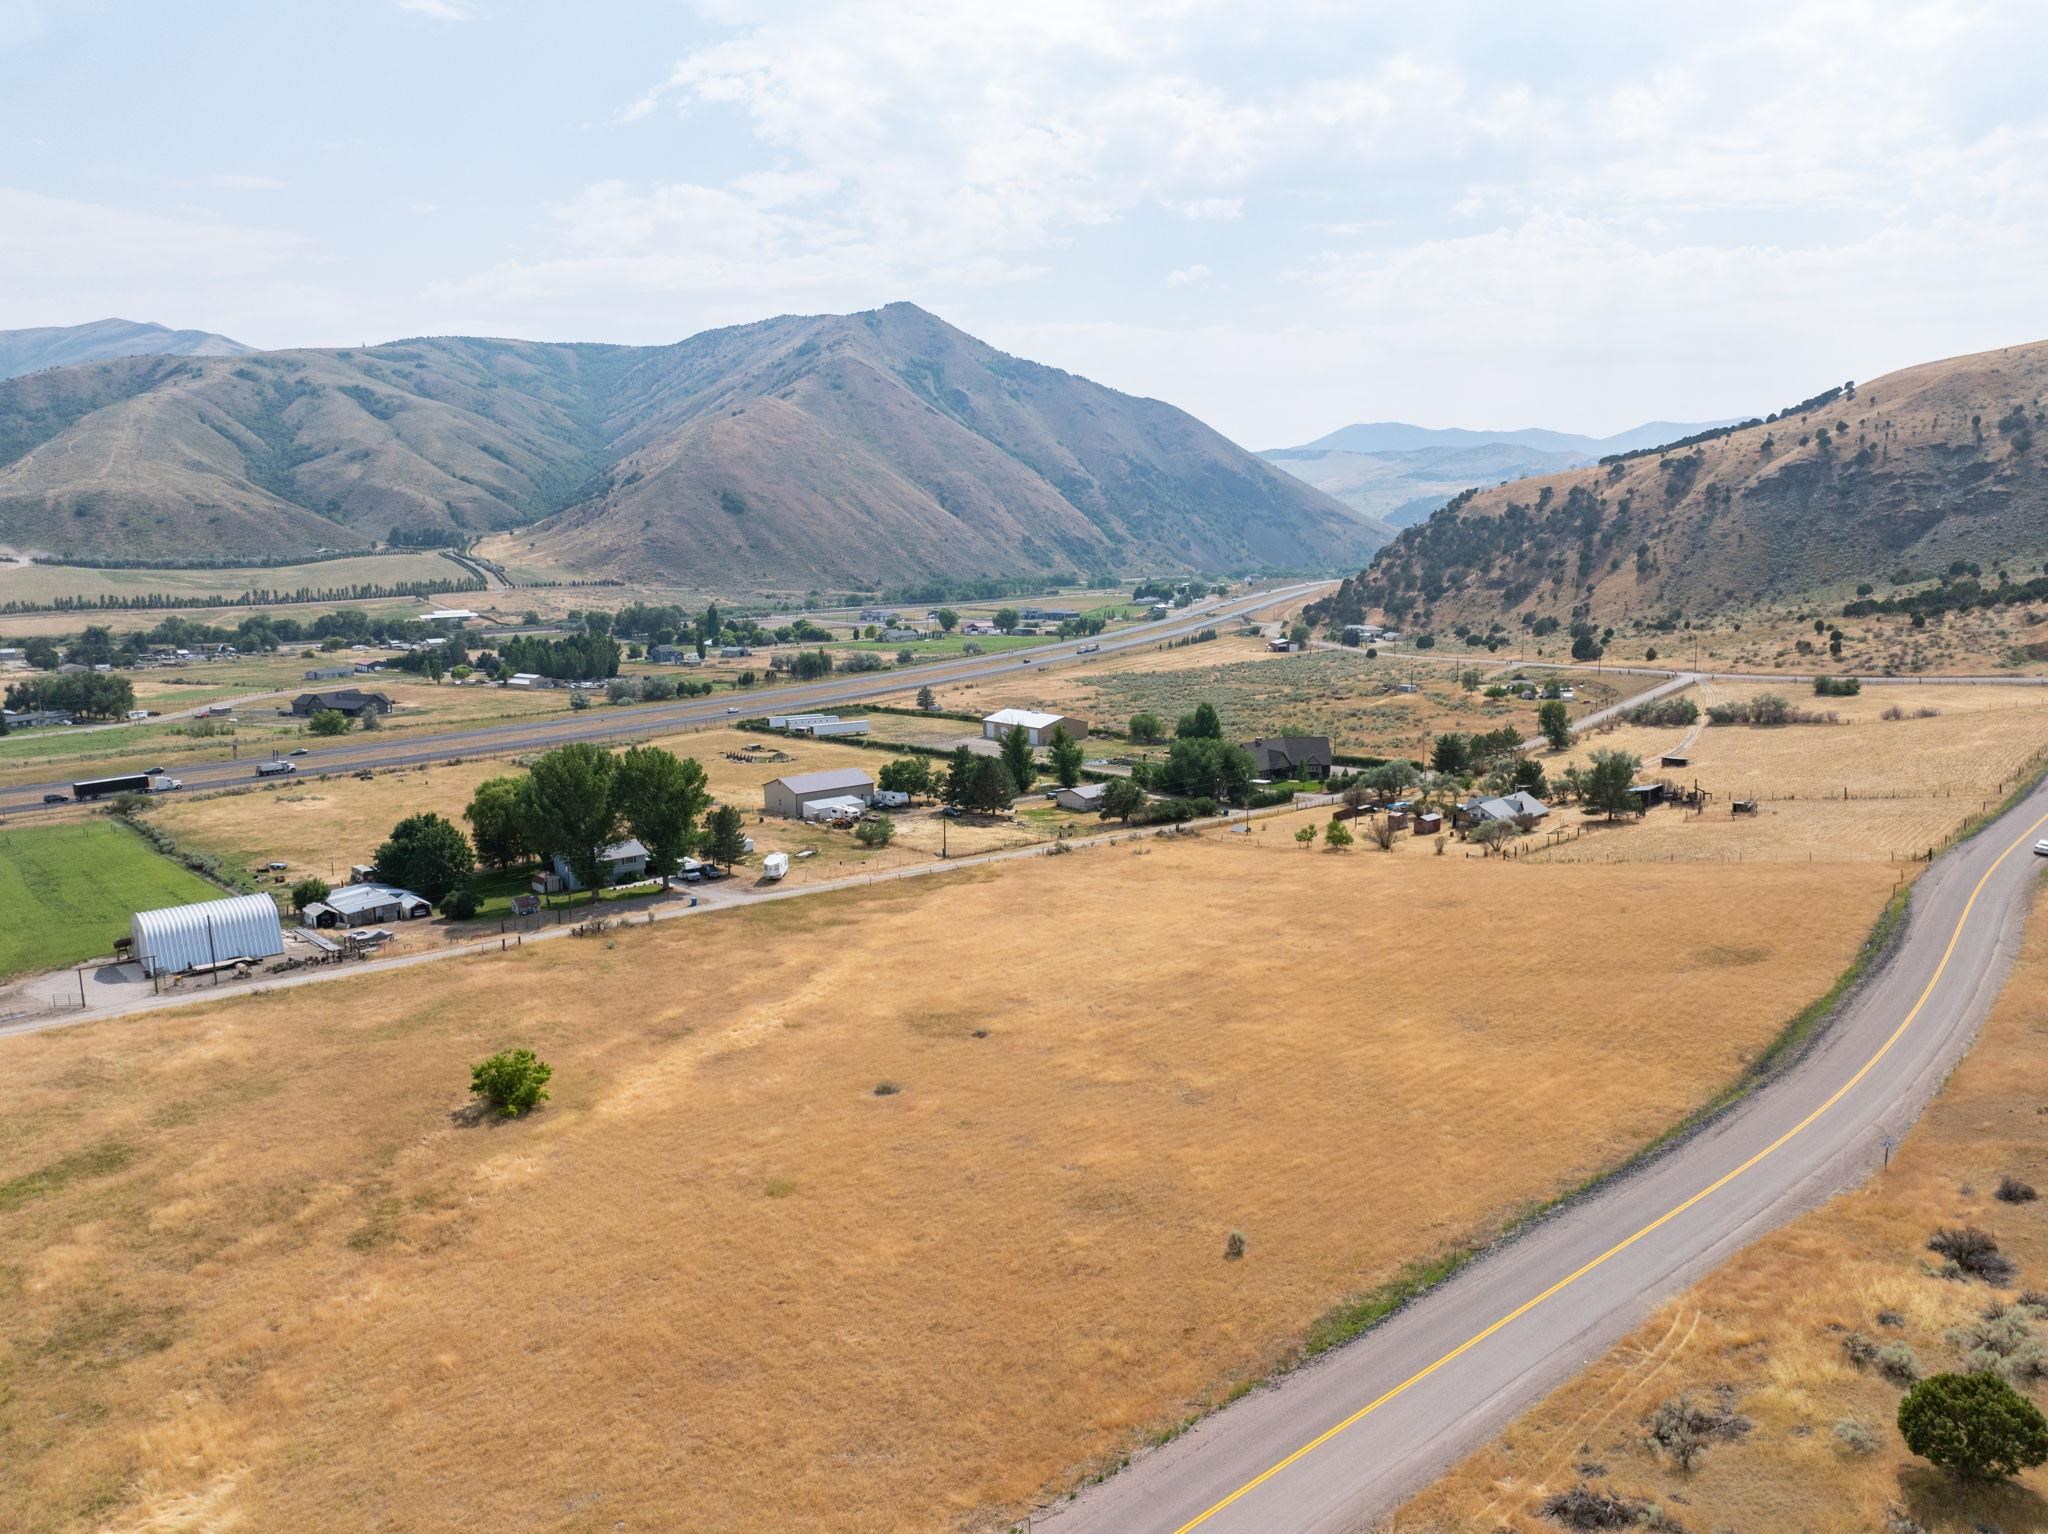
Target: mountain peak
x: 57, y: 346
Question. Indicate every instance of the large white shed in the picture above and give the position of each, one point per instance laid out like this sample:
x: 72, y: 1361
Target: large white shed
x: 177, y: 937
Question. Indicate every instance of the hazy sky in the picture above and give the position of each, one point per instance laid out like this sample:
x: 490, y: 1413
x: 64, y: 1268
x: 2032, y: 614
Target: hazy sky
x: 1281, y: 216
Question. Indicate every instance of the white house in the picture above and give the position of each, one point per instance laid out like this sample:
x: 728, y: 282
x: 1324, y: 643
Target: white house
x: 1082, y: 798
x: 624, y: 863
x: 1037, y: 727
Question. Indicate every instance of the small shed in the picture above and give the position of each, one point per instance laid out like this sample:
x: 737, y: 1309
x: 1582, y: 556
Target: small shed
x: 1428, y: 823
x: 1082, y: 798
x: 179, y: 937
x: 1676, y: 759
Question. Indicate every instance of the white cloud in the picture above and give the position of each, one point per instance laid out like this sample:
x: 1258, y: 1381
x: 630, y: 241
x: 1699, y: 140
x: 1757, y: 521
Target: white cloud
x: 1183, y: 276
x: 440, y: 10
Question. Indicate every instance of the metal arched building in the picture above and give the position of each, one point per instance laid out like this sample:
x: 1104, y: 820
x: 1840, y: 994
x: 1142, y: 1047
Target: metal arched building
x: 208, y: 932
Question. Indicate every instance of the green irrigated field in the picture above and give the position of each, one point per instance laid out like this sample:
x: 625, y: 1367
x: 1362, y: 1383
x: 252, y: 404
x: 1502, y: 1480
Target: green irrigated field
x: 69, y: 891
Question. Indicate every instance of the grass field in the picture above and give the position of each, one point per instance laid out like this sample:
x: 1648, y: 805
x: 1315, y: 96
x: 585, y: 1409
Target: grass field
x: 67, y: 891
x: 1770, y: 1327
x: 267, y: 1278
x: 1867, y: 787
x: 45, y: 583
x: 1321, y: 692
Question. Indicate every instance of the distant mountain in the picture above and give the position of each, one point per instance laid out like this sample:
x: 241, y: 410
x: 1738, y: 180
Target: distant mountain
x: 1927, y: 471
x: 63, y: 346
x: 1399, y: 473
x: 842, y: 450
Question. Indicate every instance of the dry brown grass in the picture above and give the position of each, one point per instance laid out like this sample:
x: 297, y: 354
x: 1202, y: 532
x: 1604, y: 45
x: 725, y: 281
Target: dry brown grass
x: 1771, y: 1325
x: 718, y: 1284
x: 1868, y: 787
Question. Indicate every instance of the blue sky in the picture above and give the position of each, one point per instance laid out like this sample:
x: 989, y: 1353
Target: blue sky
x: 1283, y: 217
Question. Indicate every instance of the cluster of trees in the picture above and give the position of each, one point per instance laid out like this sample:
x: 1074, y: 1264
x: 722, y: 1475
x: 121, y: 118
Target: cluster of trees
x: 577, y: 658
x: 576, y: 800
x: 261, y: 596
x: 661, y: 689
x: 1953, y: 596
x: 1665, y: 713
x: 1461, y: 755
x: 1837, y: 686
x: 259, y: 633
x: 87, y: 694
x: 1768, y: 709
x: 1603, y: 784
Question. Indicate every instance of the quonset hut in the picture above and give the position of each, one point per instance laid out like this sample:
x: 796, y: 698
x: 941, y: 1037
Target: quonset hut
x: 179, y: 937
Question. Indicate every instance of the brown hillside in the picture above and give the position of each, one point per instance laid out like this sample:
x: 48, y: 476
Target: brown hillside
x: 823, y: 449
x: 1906, y: 474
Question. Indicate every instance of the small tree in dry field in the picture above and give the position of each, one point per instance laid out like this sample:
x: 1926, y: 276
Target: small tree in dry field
x: 1336, y: 835
x: 1305, y: 838
x: 1974, y: 1426
x: 513, y: 1081
x: 1383, y: 833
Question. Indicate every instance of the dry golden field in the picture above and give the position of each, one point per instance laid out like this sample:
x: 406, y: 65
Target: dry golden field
x: 322, y: 825
x: 1770, y: 1325
x: 1868, y: 787
x: 260, y: 1273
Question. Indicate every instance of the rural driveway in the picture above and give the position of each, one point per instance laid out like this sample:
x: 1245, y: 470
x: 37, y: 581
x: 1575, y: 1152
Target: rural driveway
x: 397, y: 749
x: 1340, y: 1443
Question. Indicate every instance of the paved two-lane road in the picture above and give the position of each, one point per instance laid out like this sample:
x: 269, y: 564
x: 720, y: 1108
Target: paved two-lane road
x: 1339, y: 1444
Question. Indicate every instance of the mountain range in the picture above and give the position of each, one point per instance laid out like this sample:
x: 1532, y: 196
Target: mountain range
x: 63, y: 346
x: 845, y: 450
x: 1920, y: 472
x: 1400, y: 473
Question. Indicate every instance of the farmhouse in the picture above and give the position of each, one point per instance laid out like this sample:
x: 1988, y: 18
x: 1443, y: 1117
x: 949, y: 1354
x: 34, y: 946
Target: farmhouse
x: 352, y: 701
x: 1082, y: 799
x: 675, y: 655
x: 787, y: 796
x: 182, y: 937
x: 1290, y: 756
x: 363, y: 905
x: 624, y: 863
x: 36, y: 718
x: 1519, y: 808
x: 1037, y: 727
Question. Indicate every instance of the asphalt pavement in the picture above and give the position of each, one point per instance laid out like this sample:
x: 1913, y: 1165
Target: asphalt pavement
x: 1339, y: 1444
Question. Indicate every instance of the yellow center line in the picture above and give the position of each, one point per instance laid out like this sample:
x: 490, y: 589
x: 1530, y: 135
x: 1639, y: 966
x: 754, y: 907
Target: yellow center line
x: 1663, y: 1219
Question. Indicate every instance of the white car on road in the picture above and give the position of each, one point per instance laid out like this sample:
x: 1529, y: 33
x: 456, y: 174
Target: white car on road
x: 2041, y: 849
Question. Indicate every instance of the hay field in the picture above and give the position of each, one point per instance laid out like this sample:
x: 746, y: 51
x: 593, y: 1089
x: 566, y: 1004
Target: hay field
x: 1868, y: 787
x: 1770, y: 1324
x: 718, y: 1283
x: 45, y: 583
x: 67, y: 891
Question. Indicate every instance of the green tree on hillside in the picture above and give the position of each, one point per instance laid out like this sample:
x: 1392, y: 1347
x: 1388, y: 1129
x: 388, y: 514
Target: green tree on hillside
x: 906, y: 775
x: 1146, y: 728
x: 1554, y: 719
x: 1974, y: 1426
x: 1202, y: 723
x: 927, y: 699
x: 948, y: 619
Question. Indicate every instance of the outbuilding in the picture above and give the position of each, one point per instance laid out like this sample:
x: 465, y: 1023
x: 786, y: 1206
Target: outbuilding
x: 181, y: 937
x: 364, y: 905
x: 1037, y: 727
x: 787, y: 796
x: 1082, y: 798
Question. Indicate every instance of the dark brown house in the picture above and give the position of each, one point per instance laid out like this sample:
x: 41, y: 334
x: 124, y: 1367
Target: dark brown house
x: 352, y: 701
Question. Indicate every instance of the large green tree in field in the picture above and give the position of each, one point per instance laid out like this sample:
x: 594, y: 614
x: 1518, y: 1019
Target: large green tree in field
x: 659, y: 796
x: 1974, y: 1426
x: 426, y: 854
x: 725, y: 836
x: 499, y: 817
x: 1198, y: 767
x: 1122, y: 798
x: 574, y: 813
x: 1066, y: 755
x: 906, y: 775
x: 1606, y: 782
x: 1018, y: 758
x: 1554, y: 719
x: 1201, y: 723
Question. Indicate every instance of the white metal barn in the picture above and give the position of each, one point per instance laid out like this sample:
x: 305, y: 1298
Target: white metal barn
x: 177, y: 937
